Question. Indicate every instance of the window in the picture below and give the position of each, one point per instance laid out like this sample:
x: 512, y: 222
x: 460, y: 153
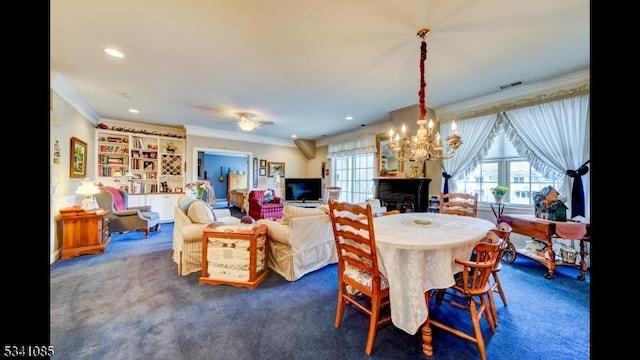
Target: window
x: 354, y: 174
x: 504, y: 166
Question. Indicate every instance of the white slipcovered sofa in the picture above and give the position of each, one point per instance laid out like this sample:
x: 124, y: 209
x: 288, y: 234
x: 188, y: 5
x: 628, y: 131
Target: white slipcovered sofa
x: 301, y: 242
x: 190, y: 219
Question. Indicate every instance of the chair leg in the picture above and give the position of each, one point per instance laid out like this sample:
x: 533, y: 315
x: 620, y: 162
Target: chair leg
x: 493, y: 312
x: 488, y: 310
x: 340, y: 306
x: 496, y: 287
x: 496, y: 278
x: 146, y: 233
x: 475, y: 319
x: 373, y: 325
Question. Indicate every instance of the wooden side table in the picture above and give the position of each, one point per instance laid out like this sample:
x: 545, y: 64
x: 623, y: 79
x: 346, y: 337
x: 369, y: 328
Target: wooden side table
x: 84, y: 232
x: 234, y: 255
x: 545, y: 231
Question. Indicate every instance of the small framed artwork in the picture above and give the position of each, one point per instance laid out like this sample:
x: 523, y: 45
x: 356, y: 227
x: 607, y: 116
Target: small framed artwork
x: 78, y: 158
x: 263, y: 171
x: 274, y: 167
x: 263, y: 163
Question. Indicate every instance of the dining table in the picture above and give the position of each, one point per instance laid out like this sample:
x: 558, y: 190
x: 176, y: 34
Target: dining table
x: 416, y: 253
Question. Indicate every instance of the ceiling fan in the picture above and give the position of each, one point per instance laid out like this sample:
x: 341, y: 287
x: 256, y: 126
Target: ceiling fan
x: 248, y: 124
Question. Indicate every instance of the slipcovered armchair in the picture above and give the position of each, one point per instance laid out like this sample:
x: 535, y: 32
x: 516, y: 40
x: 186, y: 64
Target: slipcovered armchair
x: 264, y: 205
x: 123, y: 218
x: 191, y: 217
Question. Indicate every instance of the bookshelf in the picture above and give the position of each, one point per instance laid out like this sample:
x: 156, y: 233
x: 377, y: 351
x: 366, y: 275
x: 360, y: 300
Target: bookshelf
x: 140, y: 163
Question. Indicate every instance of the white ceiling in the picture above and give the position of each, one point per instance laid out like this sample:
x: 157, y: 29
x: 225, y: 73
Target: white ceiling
x: 305, y: 65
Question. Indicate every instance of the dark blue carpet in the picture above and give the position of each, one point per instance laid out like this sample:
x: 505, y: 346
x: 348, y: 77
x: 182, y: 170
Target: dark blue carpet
x: 130, y: 303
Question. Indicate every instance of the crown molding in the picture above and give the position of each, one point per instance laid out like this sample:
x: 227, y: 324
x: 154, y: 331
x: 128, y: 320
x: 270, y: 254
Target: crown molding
x: 579, y: 77
x: 229, y: 135
x: 61, y: 86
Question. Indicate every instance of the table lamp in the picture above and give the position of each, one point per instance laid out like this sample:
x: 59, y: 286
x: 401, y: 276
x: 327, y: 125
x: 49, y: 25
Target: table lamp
x: 88, y: 189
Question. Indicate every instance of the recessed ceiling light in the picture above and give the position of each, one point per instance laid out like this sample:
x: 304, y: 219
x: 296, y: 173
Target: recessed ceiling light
x: 134, y: 111
x: 349, y: 118
x: 113, y: 52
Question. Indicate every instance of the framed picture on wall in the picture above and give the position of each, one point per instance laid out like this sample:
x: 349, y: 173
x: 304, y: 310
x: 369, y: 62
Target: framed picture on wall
x: 78, y: 158
x: 275, y: 167
x: 263, y: 171
x: 263, y: 163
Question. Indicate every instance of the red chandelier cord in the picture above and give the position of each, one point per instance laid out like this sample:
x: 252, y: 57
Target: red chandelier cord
x: 423, y: 84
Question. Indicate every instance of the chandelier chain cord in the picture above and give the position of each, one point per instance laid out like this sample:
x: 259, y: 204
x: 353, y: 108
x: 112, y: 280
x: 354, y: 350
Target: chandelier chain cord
x: 425, y: 144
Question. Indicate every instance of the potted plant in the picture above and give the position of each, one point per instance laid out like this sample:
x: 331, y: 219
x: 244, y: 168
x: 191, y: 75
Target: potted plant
x: 498, y: 192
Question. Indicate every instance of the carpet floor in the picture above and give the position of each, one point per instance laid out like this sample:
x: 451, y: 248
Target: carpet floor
x: 130, y: 303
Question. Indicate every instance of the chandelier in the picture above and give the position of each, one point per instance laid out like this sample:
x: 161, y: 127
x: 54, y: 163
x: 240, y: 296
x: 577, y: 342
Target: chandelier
x: 425, y: 145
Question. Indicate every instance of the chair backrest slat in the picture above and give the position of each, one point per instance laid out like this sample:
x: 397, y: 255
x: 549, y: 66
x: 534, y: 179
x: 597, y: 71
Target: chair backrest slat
x: 459, y: 204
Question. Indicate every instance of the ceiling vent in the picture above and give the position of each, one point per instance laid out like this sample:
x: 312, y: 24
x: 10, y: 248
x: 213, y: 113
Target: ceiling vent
x: 513, y: 84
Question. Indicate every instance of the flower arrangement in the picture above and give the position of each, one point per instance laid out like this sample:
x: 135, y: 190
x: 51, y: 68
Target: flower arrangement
x: 499, y: 190
x: 199, y: 189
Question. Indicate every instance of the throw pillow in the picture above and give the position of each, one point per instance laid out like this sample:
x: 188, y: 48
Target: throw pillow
x: 184, y: 201
x: 268, y: 197
x: 199, y: 212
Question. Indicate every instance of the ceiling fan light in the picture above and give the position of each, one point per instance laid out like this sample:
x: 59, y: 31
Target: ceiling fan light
x: 246, y: 124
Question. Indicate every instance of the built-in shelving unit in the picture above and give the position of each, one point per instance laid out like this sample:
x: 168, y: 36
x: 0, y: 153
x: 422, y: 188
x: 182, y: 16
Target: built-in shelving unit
x: 140, y: 163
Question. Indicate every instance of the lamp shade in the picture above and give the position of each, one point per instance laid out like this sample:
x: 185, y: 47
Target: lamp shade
x: 88, y: 188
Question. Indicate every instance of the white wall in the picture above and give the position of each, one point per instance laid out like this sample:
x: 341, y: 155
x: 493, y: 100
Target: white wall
x: 66, y: 122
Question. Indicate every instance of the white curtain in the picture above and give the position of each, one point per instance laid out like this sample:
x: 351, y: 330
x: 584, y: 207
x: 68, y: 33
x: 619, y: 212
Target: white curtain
x: 555, y: 138
x: 477, y: 135
x: 361, y: 144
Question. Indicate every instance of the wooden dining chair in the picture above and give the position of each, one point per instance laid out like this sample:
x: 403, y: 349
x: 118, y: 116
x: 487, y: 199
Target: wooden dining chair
x: 459, y: 204
x: 358, y: 272
x: 471, y: 292
x: 501, y: 236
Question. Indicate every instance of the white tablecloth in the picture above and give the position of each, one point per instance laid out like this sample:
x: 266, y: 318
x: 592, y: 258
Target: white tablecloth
x: 416, y: 258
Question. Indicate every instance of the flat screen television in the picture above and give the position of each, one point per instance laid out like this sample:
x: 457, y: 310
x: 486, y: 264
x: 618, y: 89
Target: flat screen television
x: 303, y: 189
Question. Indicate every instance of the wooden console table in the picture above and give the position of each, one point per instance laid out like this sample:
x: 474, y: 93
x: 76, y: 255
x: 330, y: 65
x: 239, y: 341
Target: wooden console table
x: 234, y: 255
x: 545, y: 231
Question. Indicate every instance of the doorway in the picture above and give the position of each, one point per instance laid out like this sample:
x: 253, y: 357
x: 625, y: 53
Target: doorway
x: 216, y: 164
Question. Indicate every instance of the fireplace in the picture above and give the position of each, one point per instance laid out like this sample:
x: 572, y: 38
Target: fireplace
x: 403, y: 194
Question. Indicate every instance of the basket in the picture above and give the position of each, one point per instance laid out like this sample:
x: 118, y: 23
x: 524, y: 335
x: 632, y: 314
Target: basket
x: 569, y: 255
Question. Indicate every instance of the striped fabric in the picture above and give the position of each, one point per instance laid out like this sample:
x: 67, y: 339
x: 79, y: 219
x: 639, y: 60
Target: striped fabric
x: 187, y: 233
x: 305, y: 245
